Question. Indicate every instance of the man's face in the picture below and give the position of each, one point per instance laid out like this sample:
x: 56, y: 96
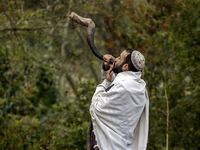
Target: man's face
x: 119, y: 62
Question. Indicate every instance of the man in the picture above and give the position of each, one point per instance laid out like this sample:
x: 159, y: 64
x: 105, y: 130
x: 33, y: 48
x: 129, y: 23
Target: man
x: 120, y: 105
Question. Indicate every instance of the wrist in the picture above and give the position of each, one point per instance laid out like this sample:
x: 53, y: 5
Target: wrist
x: 106, y: 83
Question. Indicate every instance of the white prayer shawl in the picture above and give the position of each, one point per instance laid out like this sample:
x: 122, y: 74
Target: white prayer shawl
x: 120, y: 116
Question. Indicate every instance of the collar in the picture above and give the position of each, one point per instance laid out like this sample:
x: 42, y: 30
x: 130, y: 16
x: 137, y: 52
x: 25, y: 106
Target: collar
x: 130, y: 75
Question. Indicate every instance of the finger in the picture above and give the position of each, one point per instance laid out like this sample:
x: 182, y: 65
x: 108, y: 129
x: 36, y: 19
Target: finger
x: 107, y: 57
x: 110, y: 70
x: 112, y: 66
x: 104, y: 58
x: 110, y: 73
x: 112, y: 57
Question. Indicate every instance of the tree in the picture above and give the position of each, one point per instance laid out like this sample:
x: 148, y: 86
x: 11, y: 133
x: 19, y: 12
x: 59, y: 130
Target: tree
x: 48, y: 73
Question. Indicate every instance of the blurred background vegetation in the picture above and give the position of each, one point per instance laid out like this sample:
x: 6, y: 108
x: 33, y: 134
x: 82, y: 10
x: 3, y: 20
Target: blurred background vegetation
x: 48, y: 73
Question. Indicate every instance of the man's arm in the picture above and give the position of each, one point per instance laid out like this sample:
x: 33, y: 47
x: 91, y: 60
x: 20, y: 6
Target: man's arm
x: 107, y: 77
x: 106, y: 101
x: 107, y: 74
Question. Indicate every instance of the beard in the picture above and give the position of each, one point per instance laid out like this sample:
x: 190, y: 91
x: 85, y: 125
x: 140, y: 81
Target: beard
x: 118, y: 69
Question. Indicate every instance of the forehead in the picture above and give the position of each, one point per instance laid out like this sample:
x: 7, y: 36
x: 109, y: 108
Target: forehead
x: 124, y: 54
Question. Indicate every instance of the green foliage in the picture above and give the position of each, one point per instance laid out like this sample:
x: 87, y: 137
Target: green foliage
x: 48, y: 74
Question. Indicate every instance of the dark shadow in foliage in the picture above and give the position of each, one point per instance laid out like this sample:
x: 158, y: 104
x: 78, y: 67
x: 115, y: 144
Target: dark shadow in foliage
x: 46, y: 92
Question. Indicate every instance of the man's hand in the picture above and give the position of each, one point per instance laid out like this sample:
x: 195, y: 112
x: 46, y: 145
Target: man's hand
x: 107, y: 59
x: 109, y: 73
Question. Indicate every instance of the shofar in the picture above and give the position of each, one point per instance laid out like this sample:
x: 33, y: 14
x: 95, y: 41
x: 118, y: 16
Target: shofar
x: 90, y: 33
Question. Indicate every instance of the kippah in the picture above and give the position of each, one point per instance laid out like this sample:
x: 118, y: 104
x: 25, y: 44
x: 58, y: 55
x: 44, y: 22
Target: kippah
x: 138, y: 60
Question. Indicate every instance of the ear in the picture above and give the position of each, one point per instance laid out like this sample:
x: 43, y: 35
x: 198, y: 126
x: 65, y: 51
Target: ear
x: 125, y: 67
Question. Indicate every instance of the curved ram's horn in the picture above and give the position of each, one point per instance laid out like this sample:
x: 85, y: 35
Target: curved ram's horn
x: 90, y: 32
